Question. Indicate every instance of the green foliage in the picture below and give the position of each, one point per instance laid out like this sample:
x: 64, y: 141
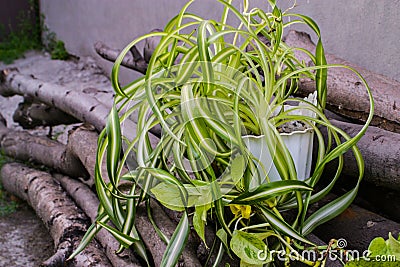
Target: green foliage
x: 51, y: 44
x: 59, y: 51
x: 380, y: 247
x: 248, y: 246
x: 382, y: 252
x: 209, y: 83
x: 26, y: 36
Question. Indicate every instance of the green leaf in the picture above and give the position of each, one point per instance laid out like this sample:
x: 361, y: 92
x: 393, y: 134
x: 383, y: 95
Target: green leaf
x: 377, y: 247
x: 168, y: 195
x: 282, y: 226
x: 224, y: 238
x: 205, y: 59
x: 167, y: 177
x: 237, y: 169
x: 124, y: 240
x: 177, y: 243
x: 249, y: 248
x: 329, y: 211
x: 139, y: 247
x: 269, y: 190
x: 310, y: 22
x: 321, y: 74
x: 114, y: 143
x: 89, y: 235
x: 393, y: 247
x: 200, y: 219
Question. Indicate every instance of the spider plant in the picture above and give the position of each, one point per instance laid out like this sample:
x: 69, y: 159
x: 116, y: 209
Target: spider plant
x: 208, y: 84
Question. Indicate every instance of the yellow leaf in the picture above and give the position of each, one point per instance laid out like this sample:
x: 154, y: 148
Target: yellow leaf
x: 244, y: 210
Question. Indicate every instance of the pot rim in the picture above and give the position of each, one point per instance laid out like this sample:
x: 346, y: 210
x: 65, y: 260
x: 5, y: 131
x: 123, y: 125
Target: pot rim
x: 284, y: 134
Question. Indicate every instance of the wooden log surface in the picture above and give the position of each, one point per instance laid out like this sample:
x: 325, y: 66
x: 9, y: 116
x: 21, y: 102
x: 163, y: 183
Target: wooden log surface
x: 129, y: 61
x: 356, y: 225
x: 346, y: 94
x: 153, y: 241
x: 30, y: 115
x: 89, y: 203
x: 381, y: 152
x: 77, y: 104
x: 66, y: 223
x: 84, y: 140
x: 83, y: 106
x: 41, y: 150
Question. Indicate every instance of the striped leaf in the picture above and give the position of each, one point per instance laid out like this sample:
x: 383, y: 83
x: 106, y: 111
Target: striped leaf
x: 329, y: 211
x: 123, y: 239
x: 89, y: 235
x: 269, y: 190
x: 321, y: 74
x: 114, y: 143
x: 282, y: 226
x: 204, y: 55
x: 177, y: 243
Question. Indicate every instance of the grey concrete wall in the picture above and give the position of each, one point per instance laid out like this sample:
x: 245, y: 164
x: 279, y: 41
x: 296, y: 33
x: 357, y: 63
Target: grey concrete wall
x: 365, y: 32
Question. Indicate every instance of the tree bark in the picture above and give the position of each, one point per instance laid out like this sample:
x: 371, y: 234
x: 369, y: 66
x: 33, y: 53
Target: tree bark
x: 154, y: 243
x: 30, y: 115
x: 66, y: 223
x: 346, y: 94
x: 136, y: 64
x: 77, y: 104
x: 82, y: 143
x: 356, y: 225
x: 89, y: 203
x: 381, y: 153
x: 41, y: 150
x: 80, y: 105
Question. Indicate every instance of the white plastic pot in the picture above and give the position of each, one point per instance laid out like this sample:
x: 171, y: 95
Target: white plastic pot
x: 299, y: 144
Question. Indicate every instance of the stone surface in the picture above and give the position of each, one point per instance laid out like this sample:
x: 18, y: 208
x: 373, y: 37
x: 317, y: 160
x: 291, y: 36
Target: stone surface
x: 24, y: 241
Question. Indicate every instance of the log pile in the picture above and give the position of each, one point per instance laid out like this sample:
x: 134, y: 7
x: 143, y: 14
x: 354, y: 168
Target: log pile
x: 346, y: 95
x: 62, y: 193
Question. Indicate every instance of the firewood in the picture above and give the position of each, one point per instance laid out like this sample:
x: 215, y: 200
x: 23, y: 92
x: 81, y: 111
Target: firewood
x: 89, y: 203
x: 41, y: 150
x: 131, y: 61
x: 78, y: 104
x: 67, y: 224
x: 356, y: 225
x: 153, y: 241
x: 74, y: 103
x: 380, y: 150
x: 346, y: 95
x: 30, y: 115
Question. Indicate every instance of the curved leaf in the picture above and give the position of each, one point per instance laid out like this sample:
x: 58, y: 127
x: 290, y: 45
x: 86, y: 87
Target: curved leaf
x: 177, y: 243
x: 269, y: 190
